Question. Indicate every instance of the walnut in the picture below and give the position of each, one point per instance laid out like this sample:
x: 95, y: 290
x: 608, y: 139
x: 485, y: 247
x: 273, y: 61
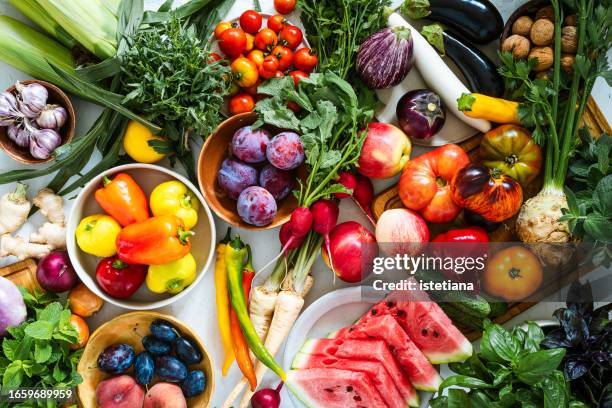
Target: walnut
x: 518, y: 45
x: 567, y: 62
x: 522, y: 26
x: 571, y: 20
x: 569, y: 39
x: 547, y: 13
x: 545, y: 57
x: 542, y: 32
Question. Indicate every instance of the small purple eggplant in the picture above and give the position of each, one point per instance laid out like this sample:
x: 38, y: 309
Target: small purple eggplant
x: 420, y: 113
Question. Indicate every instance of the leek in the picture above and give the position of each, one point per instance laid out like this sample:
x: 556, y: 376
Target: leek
x: 38, y: 15
x: 89, y: 22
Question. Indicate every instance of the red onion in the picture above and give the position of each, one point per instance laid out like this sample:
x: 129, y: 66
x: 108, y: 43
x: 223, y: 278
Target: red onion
x: 267, y: 398
x: 55, y: 272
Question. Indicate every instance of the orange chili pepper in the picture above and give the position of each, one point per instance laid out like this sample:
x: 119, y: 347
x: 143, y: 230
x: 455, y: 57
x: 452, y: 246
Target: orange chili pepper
x: 155, y: 241
x: 123, y: 199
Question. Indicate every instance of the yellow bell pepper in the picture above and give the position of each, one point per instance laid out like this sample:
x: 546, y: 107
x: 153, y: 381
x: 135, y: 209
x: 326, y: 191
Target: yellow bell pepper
x: 172, y: 277
x: 174, y: 197
x: 97, y: 235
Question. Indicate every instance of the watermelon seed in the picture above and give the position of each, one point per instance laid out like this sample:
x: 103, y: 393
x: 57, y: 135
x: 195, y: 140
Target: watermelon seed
x: 424, y: 332
x: 400, y: 313
x: 349, y: 388
x: 357, y: 398
x: 329, y: 390
x: 436, y: 334
x: 374, y: 311
x: 390, y: 304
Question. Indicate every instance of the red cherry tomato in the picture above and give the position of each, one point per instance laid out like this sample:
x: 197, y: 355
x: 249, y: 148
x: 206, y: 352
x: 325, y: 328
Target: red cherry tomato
x: 305, y: 60
x: 284, y: 55
x: 279, y: 74
x: 276, y: 23
x: 266, y: 39
x: 250, y: 21
x: 284, y: 6
x: 252, y: 90
x: 221, y: 27
x: 250, y: 42
x: 233, y: 42
x: 243, y: 102
x: 269, y: 67
x: 297, y: 76
x: 291, y: 36
x: 213, y: 56
x: 257, y: 56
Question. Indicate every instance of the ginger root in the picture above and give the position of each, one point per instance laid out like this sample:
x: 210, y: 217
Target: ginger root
x: 18, y: 247
x: 50, y: 234
x: 14, y: 209
x: 51, y: 205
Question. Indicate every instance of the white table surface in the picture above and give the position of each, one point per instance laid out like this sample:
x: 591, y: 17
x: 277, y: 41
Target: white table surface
x: 198, y: 309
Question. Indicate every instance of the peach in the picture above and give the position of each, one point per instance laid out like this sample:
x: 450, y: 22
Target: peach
x: 119, y: 392
x: 385, y: 151
x: 165, y: 395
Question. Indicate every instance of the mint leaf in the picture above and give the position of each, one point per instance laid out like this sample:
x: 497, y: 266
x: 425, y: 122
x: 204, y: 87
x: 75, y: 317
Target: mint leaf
x: 603, y: 195
x: 598, y: 227
x: 9, y: 348
x: 51, y: 313
x: 40, y: 329
x: 42, y: 351
x: 13, y: 375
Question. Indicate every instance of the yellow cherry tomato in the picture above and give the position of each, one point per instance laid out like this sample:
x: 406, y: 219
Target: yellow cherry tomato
x: 136, y: 143
x: 221, y: 27
x: 257, y: 57
x: 97, y: 234
x: 245, y: 72
x: 175, y: 198
x: 250, y: 42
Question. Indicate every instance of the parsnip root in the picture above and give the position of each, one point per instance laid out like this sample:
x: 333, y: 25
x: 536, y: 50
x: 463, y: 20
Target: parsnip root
x: 261, y: 309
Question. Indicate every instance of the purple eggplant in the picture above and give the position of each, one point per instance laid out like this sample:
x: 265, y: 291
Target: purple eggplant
x: 420, y: 113
x: 385, y: 58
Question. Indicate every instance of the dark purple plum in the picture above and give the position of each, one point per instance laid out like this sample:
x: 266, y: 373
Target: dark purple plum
x: 250, y: 145
x: 256, y: 206
x: 278, y: 182
x: 286, y: 151
x: 234, y: 176
x: 116, y: 359
x: 420, y: 113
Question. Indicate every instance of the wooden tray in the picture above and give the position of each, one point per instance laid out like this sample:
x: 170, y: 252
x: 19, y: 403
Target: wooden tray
x: 22, y: 274
x: 387, y: 199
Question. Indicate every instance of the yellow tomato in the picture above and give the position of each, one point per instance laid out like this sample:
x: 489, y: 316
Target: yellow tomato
x: 245, y: 72
x: 513, y: 274
x: 97, y: 234
x: 136, y: 143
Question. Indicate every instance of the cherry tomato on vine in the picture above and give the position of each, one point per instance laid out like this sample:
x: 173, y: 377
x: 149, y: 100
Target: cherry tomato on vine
x: 265, y: 39
x: 250, y: 21
x: 257, y: 56
x: 241, y: 103
x: 297, y: 76
x: 245, y: 72
x: 305, y: 60
x: 284, y: 55
x: 233, y: 42
x: 269, y: 67
x: 276, y: 23
x: 221, y: 27
x: 250, y: 42
x: 291, y: 36
x: 284, y: 6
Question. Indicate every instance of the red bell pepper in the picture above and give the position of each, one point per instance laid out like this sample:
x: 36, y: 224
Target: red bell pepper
x: 118, y: 279
x: 470, y: 242
x: 123, y: 199
x: 155, y: 241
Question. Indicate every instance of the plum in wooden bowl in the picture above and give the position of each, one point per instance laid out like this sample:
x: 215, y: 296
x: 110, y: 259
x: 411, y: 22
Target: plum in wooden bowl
x: 246, y: 175
x: 120, y: 363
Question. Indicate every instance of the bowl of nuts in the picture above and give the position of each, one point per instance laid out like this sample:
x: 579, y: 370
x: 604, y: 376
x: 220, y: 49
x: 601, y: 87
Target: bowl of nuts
x: 530, y: 31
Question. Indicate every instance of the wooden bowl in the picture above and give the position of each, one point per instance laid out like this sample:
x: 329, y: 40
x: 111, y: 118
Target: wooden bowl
x: 130, y: 328
x: 56, y: 96
x: 527, y: 9
x: 215, y: 150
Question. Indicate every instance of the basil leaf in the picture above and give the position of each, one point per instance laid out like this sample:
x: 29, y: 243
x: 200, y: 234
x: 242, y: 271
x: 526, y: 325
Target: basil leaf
x: 457, y: 398
x: 533, y: 368
x: 499, y: 345
x: 556, y: 392
x: 439, y: 402
x: 465, y: 381
x: 534, y: 337
x: 479, y: 399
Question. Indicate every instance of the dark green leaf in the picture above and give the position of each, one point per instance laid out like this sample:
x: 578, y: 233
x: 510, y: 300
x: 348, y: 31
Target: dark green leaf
x: 498, y: 344
x: 603, y: 195
x: 598, y: 227
x: 457, y: 398
x: 556, y: 393
x: 465, y: 381
x: 533, y: 368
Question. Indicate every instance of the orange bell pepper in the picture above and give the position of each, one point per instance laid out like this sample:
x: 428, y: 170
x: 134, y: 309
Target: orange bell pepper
x: 155, y: 241
x: 123, y: 199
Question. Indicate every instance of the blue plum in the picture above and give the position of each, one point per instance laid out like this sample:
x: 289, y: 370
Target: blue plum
x: 163, y: 330
x: 116, y: 359
x: 278, y: 182
x: 170, y: 369
x: 250, y: 145
x: 156, y: 346
x: 194, y: 384
x: 234, y: 176
x: 187, y: 351
x: 285, y: 151
x: 144, y: 368
x: 256, y: 206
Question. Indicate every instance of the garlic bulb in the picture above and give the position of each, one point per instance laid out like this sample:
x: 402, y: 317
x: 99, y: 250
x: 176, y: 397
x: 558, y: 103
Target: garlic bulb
x: 8, y: 109
x: 19, y: 134
x: 43, y: 142
x: 52, y: 117
x: 32, y: 99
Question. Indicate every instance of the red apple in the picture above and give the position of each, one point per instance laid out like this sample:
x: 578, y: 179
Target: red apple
x: 385, y: 151
x: 353, y: 249
x: 401, y: 231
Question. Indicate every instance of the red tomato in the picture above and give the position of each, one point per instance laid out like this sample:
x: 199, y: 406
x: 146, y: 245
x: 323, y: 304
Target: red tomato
x: 284, y: 55
x: 213, y: 56
x: 241, y: 103
x: 425, y: 183
x: 276, y: 23
x: 221, y: 27
x: 284, y: 6
x: 250, y: 42
x: 269, y: 67
x: 291, y: 36
x: 297, y: 76
x: 250, y: 21
x: 233, y: 42
x: 266, y: 39
x: 252, y: 90
x: 279, y: 74
x: 257, y: 56
x: 305, y: 60
x: 244, y: 71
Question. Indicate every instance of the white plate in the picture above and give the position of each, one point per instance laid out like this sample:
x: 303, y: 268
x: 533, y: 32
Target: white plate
x: 327, y: 314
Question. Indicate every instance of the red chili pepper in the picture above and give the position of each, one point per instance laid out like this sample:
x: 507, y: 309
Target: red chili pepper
x: 155, y: 241
x: 118, y: 279
x: 123, y: 199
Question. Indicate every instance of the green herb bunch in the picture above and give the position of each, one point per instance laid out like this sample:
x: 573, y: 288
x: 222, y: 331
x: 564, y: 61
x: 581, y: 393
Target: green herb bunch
x: 37, y: 352
x: 167, y: 76
x: 511, y: 370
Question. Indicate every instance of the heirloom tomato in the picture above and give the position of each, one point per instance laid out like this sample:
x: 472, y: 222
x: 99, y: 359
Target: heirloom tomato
x: 243, y: 102
x: 269, y: 66
x: 257, y: 57
x: 512, y: 274
x: 284, y: 6
x: 511, y: 149
x: 245, y: 72
x: 221, y: 27
x: 487, y: 192
x: 424, y: 184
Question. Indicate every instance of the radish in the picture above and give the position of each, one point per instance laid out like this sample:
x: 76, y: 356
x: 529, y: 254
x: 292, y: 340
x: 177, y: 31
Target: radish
x: 267, y: 398
x: 349, y: 181
x: 325, y: 215
x: 363, y: 195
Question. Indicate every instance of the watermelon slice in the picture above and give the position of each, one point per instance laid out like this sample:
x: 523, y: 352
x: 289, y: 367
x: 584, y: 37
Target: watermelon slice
x: 426, y: 324
x: 375, y: 370
x: 372, y: 350
x: 419, y: 370
x: 333, y: 388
